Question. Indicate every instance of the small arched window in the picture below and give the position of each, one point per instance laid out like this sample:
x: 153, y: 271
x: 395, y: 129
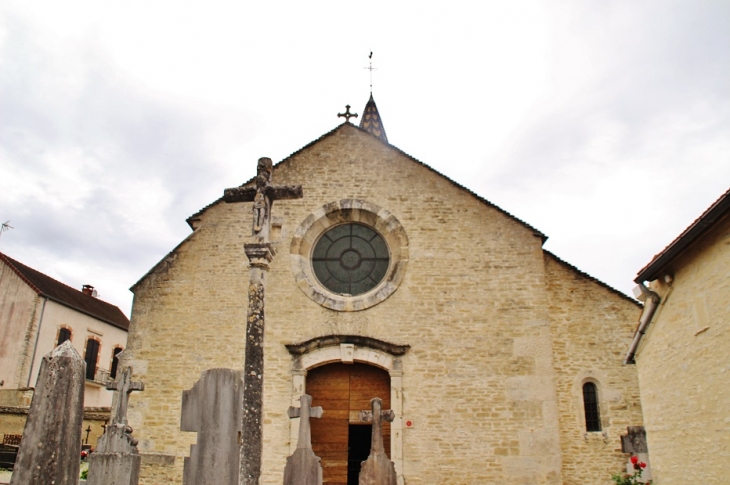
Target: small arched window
x: 91, y: 357
x: 115, y: 362
x: 590, y: 404
x: 63, y: 335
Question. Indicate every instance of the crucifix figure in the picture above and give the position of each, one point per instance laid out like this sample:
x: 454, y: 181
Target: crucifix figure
x: 124, y: 387
x: 377, y: 469
x: 263, y: 195
x: 260, y: 253
x: 347, y: 115
x: 303, y: 467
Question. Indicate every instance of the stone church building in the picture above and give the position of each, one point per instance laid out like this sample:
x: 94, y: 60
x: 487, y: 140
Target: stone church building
x: 501, y: 362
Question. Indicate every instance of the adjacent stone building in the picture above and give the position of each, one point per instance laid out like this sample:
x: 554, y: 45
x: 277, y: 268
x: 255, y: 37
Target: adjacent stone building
x: 38, y: 313
x: 501, y: 362
x: 681, y: 352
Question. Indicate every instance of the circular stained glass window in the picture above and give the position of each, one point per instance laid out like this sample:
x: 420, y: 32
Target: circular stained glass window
x: 350, y: 259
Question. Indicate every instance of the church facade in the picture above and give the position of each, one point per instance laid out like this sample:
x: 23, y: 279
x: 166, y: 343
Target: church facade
x: 501, y: 362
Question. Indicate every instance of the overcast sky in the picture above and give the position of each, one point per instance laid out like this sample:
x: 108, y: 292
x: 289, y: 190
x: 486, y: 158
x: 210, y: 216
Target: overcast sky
x: 606, y: 125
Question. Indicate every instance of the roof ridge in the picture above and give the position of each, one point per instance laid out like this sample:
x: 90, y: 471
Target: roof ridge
x: 12, y: 263
x: 590, y: 277
x: 691, y: 233
x: 537, y: 232
x: 66, y: 295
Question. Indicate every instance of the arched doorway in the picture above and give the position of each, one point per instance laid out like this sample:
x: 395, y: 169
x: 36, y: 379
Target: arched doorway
x: 340, y: 439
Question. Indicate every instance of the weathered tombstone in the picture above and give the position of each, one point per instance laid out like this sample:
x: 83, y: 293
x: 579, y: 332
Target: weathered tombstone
x: 634, y: 442
x: 116, y: 460
x: 50, y: 451
x: 377, y: 469
x: 213, y: 409
x: 260, y: 253
x: 303, y: 467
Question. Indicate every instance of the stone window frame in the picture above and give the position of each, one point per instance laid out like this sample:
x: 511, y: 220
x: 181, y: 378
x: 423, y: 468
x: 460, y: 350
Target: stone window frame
x: 111, y: 362
x: 341, y: 212
x: 597, y: 404
x: 327, y: 350
x: 98, y: 353
x: 602, y: 406
x: 58, y: 333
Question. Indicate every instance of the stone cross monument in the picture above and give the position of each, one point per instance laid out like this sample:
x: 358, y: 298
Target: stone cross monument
x: 51, y: 446
x: 303, y: 467
x: 377, y: 469
x: 116, y: 460
x: 260, y: 253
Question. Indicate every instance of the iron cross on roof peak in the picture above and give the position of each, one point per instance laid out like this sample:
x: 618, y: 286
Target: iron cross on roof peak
x: 347, y: 115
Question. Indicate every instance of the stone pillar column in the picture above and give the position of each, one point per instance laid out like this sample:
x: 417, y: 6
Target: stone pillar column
x: 259, y: 256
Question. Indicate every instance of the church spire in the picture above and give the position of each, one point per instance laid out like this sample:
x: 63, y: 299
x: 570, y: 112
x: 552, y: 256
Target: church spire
x: 371, y: 121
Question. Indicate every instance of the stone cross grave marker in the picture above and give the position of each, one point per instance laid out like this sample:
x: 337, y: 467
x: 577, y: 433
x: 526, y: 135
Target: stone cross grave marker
x: 303, y: 466
x: 260, y: 253
x: 50, y: 451
x: 213, y: 408
x: 116, y: 460
x: 377, y: 469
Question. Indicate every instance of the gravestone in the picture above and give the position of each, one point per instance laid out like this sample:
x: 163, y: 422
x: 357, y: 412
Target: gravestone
x: 377, y: 469
x: 50, y: 451
x: 303, y: 467
x: 260, y: 253
x: 116, y: 460
x: 634, y: 442
x: 213, y: 408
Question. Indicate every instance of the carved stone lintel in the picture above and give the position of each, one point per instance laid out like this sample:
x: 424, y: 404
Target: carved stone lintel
x: 259, y: 254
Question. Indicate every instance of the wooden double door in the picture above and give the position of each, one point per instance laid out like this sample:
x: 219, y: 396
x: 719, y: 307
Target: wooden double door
x: 340, y: 439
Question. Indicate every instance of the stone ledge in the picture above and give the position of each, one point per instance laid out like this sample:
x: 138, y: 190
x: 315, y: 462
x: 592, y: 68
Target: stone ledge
x: 161, y: 459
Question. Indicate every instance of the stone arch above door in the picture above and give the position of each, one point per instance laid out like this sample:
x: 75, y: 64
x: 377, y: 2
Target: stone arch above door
x: 349, y: 349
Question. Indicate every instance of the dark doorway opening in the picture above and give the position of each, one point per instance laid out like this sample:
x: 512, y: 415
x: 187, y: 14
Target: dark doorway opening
x: 358, y: 449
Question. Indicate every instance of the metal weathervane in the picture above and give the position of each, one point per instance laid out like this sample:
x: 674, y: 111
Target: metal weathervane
x: 371, y: 69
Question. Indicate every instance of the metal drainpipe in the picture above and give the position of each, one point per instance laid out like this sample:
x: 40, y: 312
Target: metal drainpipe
x: 652, y: 303
x: 37, y: 338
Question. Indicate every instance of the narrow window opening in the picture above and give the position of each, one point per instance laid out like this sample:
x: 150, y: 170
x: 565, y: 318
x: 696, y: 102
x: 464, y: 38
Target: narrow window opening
x: 115, y: 363
x: 91, y: 357
x: 358, y: 449
x: 63, y: 335
x: 590, y: 404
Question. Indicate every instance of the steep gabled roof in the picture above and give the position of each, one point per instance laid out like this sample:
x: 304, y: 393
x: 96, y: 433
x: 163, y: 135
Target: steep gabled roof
x: 371, y: 121
x: 54, y: 290
x: 719, y: 209
x: 345, y: 125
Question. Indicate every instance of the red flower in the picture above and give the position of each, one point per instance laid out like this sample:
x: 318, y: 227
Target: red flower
x: 634, y: 460
x: 642, y: 464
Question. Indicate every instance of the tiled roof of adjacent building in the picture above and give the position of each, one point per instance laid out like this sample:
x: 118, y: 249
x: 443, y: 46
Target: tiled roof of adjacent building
x: 54, y: 290
x: 719, y: 209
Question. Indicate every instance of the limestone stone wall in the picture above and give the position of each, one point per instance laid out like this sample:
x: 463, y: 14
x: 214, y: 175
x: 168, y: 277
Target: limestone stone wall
x: 683, y: 366
x: 592, y: 327
x: 478, y: 382
x: 13, y: 416
x: 19, y: 314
